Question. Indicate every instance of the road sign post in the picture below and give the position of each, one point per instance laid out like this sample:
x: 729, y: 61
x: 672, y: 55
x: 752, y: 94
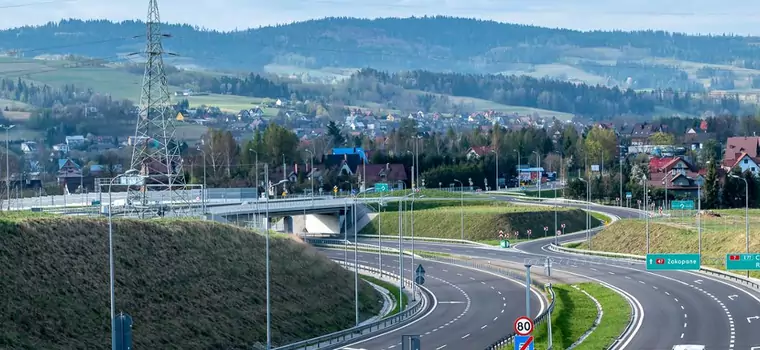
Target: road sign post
x: 523, y: 325
x: 419, y: 277
x: 682, y: 205
x: 546, y: 230
x: 737, y: 261
x: 524, y: 342
x: 381, y: 187
x: 664, y: 262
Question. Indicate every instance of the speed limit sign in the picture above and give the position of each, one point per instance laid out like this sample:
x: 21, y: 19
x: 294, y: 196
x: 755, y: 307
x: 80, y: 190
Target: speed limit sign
x: 523, y: 325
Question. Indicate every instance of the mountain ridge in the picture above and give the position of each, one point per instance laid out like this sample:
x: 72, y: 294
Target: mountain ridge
x: 436, y: 43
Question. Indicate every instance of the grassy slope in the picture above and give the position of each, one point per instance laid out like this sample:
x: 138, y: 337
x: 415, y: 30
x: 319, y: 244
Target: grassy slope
x: 187, y: 284
x: 482, y: 219
x: 720, y: 235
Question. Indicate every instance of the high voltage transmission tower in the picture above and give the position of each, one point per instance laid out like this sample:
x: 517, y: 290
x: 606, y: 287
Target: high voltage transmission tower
x: 160, y: 187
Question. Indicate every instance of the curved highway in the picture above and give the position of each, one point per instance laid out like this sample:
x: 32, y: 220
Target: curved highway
x: 674, y: 307
x: 472, y: 310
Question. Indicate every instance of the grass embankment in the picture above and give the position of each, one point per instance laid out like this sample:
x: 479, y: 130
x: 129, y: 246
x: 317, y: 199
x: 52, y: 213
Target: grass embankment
x: 431, y: 193
x: 574, y: 314
x: 482, y: 220
x: 187, y: 284
x: 678, y: 234
x: 393, y: 291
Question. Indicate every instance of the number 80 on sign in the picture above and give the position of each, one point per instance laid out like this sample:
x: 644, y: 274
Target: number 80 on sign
x: 523, y: 325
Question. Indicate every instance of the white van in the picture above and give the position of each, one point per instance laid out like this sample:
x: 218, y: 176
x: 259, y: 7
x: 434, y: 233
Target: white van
x: 688, y: 347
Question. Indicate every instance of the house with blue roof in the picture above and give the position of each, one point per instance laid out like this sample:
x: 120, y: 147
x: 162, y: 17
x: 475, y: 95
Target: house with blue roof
x: 351, y: 150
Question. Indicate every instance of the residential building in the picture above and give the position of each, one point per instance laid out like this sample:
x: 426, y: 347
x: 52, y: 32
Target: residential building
x: 383, y: 173
x: 695, y: 141
x: 738, y: 148
x: 676, y: 175
x: 75, y: 141
x: 641, y: 132
x: 29, y: 147
x: 745, y: 163
x: 475, y: 153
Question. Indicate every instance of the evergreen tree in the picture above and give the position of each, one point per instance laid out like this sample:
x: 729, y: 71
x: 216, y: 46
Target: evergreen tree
x: 710, y: 197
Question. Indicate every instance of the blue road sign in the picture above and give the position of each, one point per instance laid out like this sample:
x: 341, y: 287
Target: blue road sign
x: 123, y: 332
x: 628, y: 195
x: 419, y: 279
x: 524, y: 342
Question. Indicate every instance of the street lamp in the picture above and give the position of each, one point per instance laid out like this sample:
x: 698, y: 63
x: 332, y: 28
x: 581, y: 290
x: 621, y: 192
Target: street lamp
x: 519, y: 158
x: 461, y: 207
x: 496, y: 179
x: 311, y: 167
x: 266, y: 227
x: 110, y: 254
x: 646, y: 208
x: 538, y: 172
x: 7, y: 164
x: 255, y: 182
x: 205, y: 190
x: 588, y: 218
x: 746, y: 211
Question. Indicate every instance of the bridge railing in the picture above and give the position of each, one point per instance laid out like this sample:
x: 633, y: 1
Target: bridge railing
x: 342, y: 337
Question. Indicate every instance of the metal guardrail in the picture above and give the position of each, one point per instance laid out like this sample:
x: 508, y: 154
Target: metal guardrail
x: 342, y: 337
x: 711, y: 271
x: 430, y: 239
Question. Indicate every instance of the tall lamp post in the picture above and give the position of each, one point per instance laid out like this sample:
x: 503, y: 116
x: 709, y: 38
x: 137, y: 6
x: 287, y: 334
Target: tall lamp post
x: 110, y: 255
x: 519, y: 158
x: 538, y: 172
x: 461, y: 207
x: 203, y: 199
x: 746, y: 211
x: 646, y: 208
x: 588, y: 219
x: 311, y: 168
x: 7, y: 164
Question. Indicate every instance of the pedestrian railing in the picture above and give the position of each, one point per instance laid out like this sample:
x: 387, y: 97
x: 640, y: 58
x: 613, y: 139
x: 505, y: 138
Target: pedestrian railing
x: 333, y: 340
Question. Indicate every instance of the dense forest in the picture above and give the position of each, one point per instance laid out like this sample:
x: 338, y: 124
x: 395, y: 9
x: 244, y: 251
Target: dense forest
x: 433, y: 43
x: 595, y: 102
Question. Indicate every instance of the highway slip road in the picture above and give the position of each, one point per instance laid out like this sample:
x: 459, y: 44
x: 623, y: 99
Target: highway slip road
x: 736, y: 324
x: 473, y: 309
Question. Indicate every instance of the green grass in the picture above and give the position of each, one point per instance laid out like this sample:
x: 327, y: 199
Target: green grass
x: 617, y: 313
x: 545, y: 193
x: 601, y: 217
x: 229, y: 103
x: 394, y: 291
x: 574, y: 314
x: 678, y: 234
x: 187, y: 284
x: 432, y: 193
x: 481, y: 222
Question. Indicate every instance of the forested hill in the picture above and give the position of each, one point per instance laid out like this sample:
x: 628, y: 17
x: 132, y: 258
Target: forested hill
x: 432, y: 43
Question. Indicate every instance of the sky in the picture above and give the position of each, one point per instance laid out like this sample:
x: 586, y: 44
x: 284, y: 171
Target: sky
x: 691, y: 16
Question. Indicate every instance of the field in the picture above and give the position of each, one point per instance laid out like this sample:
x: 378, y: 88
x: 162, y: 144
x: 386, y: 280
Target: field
x: 482, y: 220
x: 480, y: 105
x: 678, y: 234
x: 187, y: 284
x: 575, y: 313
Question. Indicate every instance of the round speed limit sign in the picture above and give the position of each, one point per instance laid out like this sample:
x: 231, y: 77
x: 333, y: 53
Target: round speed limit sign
x: 523, y: 325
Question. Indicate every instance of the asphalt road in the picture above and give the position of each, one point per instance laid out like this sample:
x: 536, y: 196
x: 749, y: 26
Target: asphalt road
x: 677, y: 307
x: 473, y: 308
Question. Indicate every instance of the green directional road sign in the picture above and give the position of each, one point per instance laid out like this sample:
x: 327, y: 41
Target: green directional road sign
x: 682, y: 205
x: 673, y: 262
x: 381, y: 187
x: 743, y: 261
x: 504, y: 243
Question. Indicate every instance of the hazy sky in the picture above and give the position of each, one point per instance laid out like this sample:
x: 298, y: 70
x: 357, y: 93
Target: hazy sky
x: 693, y: 16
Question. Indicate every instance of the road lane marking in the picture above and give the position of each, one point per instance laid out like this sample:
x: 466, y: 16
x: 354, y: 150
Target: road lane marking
x: 484, y: 326
x: 466, y: 335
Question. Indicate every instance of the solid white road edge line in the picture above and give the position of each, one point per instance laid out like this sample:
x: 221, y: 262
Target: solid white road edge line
x: 521, y: 283
x: 435, y: 304
x: 638, y: 310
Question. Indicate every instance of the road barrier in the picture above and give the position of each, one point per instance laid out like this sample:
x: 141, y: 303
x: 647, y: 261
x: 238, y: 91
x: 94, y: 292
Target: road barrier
x: 354, y: 334
x: 708, y: 270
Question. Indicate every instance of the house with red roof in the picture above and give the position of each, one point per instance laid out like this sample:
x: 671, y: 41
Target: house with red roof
x: 676, y: 175
x: 742, y: 152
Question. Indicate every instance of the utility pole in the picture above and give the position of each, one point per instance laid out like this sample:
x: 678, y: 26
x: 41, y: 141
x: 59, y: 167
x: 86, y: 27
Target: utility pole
x: 356, y: 268
x: 7, y: 165
x: 156, y: 152
x: 266, y: 227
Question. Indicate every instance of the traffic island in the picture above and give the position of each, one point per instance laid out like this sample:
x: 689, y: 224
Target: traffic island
x: 575, y: 314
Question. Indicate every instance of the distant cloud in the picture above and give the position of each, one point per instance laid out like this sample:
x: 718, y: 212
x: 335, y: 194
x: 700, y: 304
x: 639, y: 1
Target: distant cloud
x: 693, y: 16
